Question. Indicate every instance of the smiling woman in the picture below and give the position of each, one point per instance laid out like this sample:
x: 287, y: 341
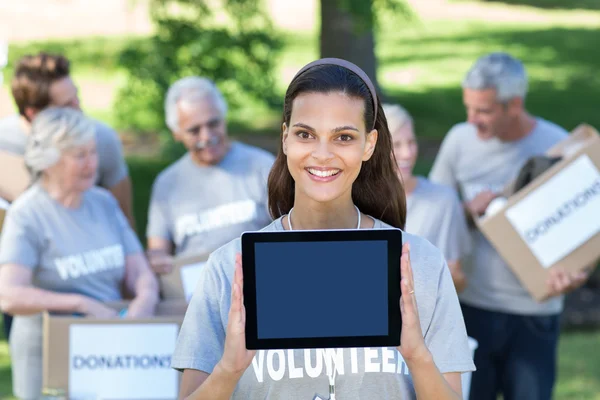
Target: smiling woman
x: 335, y: 169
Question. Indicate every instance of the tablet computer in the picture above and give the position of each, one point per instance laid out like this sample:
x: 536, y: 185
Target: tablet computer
x: 322, y: 289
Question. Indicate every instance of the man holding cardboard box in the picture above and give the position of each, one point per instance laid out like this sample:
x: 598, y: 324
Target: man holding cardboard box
x: 517, y: 335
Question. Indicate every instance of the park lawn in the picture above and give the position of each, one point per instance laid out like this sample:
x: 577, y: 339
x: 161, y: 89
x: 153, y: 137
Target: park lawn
x: 421, y: 64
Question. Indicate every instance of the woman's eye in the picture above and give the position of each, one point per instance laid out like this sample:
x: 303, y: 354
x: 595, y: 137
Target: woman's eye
x: 303, y: 135
x: 345, y: 138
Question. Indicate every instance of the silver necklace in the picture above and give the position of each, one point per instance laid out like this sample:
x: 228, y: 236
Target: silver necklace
x: 290, y: 220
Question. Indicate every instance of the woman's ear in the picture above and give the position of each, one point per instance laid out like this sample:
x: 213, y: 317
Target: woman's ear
x: 370, y: 145
x: 284, y: 136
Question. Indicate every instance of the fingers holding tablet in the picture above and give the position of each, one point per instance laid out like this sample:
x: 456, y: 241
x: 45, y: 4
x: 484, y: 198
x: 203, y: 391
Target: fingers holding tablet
x: 412, y: 344
x: 236, y: 358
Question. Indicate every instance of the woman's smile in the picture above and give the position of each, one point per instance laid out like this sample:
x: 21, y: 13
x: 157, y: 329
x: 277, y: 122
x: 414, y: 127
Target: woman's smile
x: 322, y: 174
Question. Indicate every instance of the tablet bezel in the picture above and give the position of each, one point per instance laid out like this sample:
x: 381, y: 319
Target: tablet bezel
x: 393, y: 237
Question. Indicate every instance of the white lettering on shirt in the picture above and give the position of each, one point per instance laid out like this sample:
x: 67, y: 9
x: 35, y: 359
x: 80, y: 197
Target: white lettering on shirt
x: 225, y: 215
x: 282, y: 362
x: 91, y: 262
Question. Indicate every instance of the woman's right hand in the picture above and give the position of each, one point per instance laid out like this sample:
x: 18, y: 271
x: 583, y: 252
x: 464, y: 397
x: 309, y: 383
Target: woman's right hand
x: 95, y: 309
x: 236, y: 358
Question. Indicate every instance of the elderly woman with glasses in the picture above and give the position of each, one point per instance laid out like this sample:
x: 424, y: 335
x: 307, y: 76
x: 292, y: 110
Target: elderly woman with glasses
x: 66, y: 247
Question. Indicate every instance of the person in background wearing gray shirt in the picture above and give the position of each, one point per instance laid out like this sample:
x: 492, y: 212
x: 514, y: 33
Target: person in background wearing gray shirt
x: 517, y: 336
x: 334, y: 170
x: 66, y: 246
x: 434, y: 211
x: 44, y: 80
x: 212, y: 194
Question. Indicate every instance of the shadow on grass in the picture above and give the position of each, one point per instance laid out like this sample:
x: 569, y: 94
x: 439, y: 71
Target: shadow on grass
x: 97, y: 53
x: 562, y: 63
x: 552, y: 4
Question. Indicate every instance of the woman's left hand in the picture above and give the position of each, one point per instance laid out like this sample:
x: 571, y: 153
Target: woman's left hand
x: 412, y: 344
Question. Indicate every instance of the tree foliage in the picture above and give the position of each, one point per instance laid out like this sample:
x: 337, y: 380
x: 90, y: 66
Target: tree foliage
x: 231, y: 42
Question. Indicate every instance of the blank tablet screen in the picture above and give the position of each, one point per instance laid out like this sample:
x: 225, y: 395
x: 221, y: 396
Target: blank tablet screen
x: 321, y: 289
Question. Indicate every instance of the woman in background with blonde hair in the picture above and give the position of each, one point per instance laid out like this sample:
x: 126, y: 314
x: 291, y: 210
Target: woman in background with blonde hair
x: 433, y: 211
x: 66, y: 247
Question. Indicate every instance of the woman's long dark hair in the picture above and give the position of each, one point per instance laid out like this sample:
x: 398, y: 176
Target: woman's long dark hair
x: 377, y: 190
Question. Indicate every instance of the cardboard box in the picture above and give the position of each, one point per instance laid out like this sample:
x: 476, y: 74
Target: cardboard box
x: 15, y: 177
x: 113, y: 358
x: 180, y: 283
x: 555, y: 220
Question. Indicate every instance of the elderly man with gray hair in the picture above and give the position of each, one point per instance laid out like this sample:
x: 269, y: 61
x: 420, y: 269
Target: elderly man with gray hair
x: 66, y: 246
x: 212, y: 194
x: 517, y: 336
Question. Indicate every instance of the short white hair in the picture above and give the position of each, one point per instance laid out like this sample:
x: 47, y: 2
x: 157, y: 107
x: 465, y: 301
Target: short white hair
x: 54, y: 130
x: 191, y: 89
x: 397, y: 116
x: 499, y: 71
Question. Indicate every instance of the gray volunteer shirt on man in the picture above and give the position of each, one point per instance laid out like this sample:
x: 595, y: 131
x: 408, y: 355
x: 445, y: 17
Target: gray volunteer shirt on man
x: 201, y: 208
x: 112, y: 167
x: 363, y: 373
x: 472, y: 165
x: 435, y: 213
x: 81, y: 250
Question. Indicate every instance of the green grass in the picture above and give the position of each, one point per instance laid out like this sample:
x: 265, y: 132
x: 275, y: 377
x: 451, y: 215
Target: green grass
x: 421, y: 65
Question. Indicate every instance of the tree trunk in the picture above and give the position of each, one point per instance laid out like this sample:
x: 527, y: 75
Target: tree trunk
x: 341, y: 38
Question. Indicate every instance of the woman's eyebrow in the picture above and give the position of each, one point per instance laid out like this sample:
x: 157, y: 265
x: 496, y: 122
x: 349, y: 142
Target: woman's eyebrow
x: 336, y: 130
x: 344, y: 128
x: 304, y: 126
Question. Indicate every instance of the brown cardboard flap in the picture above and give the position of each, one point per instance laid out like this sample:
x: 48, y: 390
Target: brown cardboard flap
x: 577, y: 139
x: 2, y: 214
x: 581, y: 137
x: 171, y: 284
x: 506, y: 240
x: 56, y: 341
x: 12, y: 183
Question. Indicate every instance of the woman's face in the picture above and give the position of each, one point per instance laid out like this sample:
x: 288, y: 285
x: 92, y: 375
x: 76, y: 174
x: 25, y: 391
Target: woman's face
x: 326, y: 144
x: 76, y: 169
x: 405, y: 149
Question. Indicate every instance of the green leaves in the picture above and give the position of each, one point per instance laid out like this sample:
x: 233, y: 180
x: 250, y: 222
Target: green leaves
x: 231, y: 42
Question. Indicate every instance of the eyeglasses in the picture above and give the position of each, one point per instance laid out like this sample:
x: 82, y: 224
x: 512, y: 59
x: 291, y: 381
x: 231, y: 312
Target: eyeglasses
x: 210, y: 125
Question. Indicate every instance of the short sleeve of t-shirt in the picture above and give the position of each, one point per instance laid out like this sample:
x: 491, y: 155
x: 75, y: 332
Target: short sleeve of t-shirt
x: 458, y: 239
x: 158, y: 222
x: 19, y: 243
x: 112, y: 167
x: 204, y: 320
x: 445, y: 338
x: 131, y: 243
x: 442, y: 170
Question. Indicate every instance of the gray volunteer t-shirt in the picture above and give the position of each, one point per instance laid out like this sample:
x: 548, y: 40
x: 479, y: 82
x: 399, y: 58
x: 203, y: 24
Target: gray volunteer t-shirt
x: 112, y: 167
x: 363, y: 373
x: 80, y: 250
x: 435, y: 213
x: 201, y: 208
x: 471, y: 165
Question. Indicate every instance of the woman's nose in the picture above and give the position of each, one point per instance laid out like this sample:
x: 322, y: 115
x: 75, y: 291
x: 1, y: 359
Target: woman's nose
x: 322, y: 151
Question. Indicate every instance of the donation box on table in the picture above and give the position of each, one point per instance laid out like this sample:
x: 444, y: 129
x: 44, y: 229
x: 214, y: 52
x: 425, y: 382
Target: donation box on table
x: 114, y: 358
